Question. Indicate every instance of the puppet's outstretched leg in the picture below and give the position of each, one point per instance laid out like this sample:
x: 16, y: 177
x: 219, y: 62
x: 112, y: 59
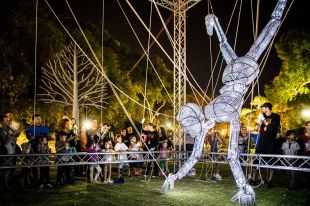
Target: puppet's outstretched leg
x: 197, y: 150
x: 245, y: 195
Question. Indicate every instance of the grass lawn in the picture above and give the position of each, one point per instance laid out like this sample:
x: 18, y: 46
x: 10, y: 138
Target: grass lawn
x: 134, y: 191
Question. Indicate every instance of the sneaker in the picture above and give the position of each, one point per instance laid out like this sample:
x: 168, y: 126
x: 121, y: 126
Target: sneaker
x: 41, y: 186
x: 49, y: 185
x: 217, y: 176
x: 110, y: 181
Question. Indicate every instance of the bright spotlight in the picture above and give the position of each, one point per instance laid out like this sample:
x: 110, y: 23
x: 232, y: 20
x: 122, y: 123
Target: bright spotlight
x: 87, y: 125
x: 168, y: 125
x: 306, y: 113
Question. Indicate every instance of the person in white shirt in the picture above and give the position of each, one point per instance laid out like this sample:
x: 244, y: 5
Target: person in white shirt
x: 290, y: 147
x: 120, y: 147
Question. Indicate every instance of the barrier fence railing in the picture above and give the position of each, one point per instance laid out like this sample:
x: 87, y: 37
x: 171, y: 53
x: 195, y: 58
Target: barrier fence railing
x: 284, y: 162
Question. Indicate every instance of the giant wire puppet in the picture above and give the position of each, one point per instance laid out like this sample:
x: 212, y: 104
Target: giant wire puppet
x: 239, y: 73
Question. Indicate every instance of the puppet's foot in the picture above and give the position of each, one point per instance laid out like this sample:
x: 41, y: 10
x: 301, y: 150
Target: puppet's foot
x: 169, y: 183
x: 245, y: 196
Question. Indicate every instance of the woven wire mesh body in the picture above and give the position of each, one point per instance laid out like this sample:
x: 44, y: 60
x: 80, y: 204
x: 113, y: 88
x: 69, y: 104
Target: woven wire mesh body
x: 239, y: 73
x: 191, y: 118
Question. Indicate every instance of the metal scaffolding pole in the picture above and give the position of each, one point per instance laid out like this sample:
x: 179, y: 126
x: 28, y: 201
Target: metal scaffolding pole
x: 179, y: 8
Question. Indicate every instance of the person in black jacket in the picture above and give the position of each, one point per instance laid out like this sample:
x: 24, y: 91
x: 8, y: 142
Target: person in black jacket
x: 152, y: 141
x: 269, y: 126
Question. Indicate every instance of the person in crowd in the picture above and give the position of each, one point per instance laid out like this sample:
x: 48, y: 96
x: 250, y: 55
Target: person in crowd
x: 83, y: 139
x: 63, y: 172
x: 290, y: 147
x: 152, y: 140
x: 244, y: 141
x: 65, y: 130
x: 144, y: 134
x: 215, y: 140
x: 103, y: 132
x: 269, y: 126
x: 129, y: 133
x: 189, y: 143
x: 170, y: 139
x: 280, y: 140
x: 304, y: 142
x: 33, y: 134
x: 162, y: 136
x: 7, y: 146
x: 14, y: 126
x: 25, y: 178
x: 135, y: 146
x: 74, y: 127
x: 164, y: 156
x: 120, y: 147
x: 92, y: 134
x: 44, y: 160
x: 125, y: 139
x: 94, y: 159
x: 107, y: 168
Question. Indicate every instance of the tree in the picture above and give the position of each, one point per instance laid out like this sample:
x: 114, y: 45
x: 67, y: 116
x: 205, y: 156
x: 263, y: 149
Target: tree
x: 17, y: 38
x: 294, y: 77
x: 290, y: 89
x: 72, y: 80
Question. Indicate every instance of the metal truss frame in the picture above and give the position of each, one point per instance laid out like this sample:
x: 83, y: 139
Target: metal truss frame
x: 179, y: 8
x: 282, y: 162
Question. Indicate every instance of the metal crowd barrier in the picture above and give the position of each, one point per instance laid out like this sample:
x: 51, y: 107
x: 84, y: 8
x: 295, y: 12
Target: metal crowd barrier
x: 283, y: 162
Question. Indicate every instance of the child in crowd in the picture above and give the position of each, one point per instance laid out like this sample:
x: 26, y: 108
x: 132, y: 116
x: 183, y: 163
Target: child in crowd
x: 26, y: 171
x: 94, y: 158
x: 44, y: 160
x: 163, y: 156
x: 215, y: 140
x: 120, y: 147
x: 135, y: 147
x: 290, y: 147
x: 63, y: 147
x: 107, y: 170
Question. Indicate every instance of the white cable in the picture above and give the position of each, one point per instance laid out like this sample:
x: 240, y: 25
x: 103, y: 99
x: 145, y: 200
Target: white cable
x: 35, y: 68
x: 102, y: 33
x: 113, y: 89
x: 145, y: 51
x: 99, y: 70
x: 218, y: 54
x: 147, y: 61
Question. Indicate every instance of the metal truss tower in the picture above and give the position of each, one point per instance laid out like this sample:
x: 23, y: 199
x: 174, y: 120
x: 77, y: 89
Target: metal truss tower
x: 179, y: 8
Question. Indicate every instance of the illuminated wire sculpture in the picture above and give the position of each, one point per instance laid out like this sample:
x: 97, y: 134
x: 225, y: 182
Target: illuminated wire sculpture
x: 239, y: 73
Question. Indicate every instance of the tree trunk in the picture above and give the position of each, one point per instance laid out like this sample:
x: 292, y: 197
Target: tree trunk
x: 75, y: 105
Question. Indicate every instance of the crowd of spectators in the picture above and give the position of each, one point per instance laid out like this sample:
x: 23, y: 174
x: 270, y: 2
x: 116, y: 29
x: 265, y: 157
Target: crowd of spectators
x: 102, y: 138
x: 69, y: 139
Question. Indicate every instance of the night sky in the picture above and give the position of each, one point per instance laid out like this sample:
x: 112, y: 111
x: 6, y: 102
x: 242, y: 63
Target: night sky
x: 198, y: 43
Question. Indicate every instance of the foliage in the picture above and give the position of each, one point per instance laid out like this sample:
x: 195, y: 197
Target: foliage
x: 17, y: 65
x: 17, y: 43
x: 294, y: 77
x: 289, y: 90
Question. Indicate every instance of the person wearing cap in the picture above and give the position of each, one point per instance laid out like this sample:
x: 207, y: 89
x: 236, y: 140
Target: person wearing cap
x: 269, y: 125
